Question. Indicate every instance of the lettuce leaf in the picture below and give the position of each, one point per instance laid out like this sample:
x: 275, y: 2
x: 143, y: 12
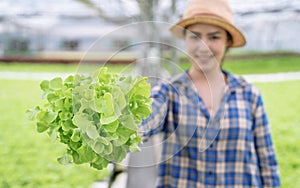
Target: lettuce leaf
x: 96, y: 116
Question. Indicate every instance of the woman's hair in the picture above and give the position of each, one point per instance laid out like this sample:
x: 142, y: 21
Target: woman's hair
x: 229, y: 38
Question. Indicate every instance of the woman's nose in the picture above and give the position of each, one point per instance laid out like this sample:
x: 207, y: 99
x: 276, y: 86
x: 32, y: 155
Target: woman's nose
x: 203, y: 45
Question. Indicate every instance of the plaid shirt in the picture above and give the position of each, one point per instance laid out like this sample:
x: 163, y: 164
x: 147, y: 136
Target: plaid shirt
x: 232, y: 149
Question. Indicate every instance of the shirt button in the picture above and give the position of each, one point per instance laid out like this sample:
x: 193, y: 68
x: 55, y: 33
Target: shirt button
x: 210, y: 173
x: 211, y: 145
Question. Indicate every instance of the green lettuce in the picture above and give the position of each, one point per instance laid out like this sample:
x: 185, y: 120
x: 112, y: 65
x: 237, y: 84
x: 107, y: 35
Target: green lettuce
x: 95, y: 116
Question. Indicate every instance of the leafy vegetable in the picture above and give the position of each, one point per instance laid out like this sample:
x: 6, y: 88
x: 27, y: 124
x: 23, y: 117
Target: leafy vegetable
x: 96, y: 116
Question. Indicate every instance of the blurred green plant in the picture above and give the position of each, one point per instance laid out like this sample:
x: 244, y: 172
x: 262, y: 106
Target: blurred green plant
x: 28, y: 159
x: 96, y: 116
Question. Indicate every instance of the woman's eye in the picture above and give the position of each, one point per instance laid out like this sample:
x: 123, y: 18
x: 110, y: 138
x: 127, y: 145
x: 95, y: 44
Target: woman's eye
x: 194, y: 37
x: 214, y: 38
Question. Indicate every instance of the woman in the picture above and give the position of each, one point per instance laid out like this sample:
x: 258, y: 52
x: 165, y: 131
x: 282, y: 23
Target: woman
x: 216, y: 131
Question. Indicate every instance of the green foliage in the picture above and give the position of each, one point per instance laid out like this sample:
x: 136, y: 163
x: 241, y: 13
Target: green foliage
x: 96, y: 116
x: 258, y: 65
x: 60, y: 67
x: 239, y: 66
x: 263, y: 65
x: 284, y: 118
x: 28, y: 159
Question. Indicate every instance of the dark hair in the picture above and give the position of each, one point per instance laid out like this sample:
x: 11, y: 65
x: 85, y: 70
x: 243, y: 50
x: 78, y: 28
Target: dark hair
x: 229, y: 38
x: 184, y: 31
x: 230, y: 41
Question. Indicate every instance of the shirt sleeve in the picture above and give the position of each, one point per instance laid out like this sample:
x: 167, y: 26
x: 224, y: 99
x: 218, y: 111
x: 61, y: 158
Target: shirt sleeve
x: 154, y: 123
x: 264, y: 147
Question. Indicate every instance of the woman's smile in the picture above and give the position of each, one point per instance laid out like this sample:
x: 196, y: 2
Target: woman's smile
x: 204, y: 58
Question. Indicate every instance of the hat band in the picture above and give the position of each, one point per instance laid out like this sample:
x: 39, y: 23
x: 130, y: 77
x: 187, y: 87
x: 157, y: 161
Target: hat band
x: 209, y: 15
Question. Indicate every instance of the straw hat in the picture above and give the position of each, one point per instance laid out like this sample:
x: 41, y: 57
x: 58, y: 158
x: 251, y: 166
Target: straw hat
x: 215, y: 12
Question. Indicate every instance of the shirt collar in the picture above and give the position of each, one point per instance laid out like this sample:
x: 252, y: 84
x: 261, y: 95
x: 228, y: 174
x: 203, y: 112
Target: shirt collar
x: 233, y: 82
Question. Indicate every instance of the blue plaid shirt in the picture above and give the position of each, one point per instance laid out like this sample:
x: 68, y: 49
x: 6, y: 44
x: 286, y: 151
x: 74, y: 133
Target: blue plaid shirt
x: 232, y: 149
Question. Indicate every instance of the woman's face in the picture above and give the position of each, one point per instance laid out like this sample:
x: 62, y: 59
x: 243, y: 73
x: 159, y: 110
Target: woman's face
x: 206, y: 45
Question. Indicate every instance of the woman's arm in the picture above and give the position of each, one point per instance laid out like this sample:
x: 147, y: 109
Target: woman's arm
x: 264, y: 147
x: 155, y: 122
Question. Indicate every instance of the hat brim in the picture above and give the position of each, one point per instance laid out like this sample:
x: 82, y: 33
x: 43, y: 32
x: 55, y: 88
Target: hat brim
x: 238, y: 38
